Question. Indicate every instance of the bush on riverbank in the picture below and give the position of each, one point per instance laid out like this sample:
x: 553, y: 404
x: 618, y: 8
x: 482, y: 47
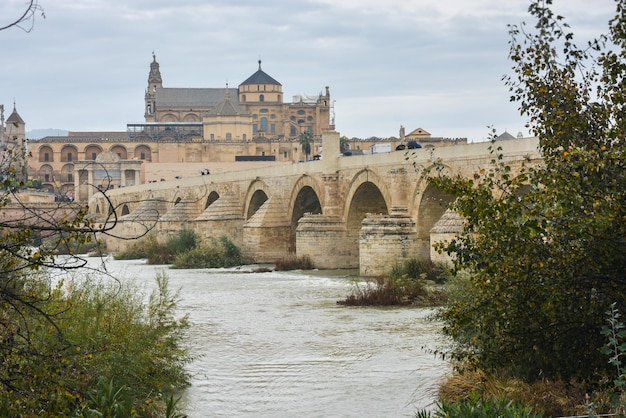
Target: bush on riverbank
x: 410, y: 283
x: 220, y: 252
x: 99, y: 347
x: 184, y: 251
x: 293, y: 262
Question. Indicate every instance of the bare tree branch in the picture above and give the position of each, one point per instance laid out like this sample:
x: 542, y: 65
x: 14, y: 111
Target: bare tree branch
x: 28, y: 15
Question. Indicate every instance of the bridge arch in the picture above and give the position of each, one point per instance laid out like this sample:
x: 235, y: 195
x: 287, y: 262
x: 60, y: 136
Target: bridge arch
x: 212, y: 198
x: 305, y: 198
x: 367, y: 194
x: 427, y: 207
x: 257, y: 194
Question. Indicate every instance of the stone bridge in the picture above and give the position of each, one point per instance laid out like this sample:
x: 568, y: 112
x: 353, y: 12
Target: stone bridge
x: 362, y: 211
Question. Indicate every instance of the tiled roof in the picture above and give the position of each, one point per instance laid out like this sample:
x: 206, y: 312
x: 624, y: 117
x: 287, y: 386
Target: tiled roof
x: 15, y: 118
x: 260, y: 77
x: 227, y: 108
x: 192, y: 97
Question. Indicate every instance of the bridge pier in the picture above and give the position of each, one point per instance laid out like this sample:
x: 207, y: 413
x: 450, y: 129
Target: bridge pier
x: 221, y: 218
x: 267, y: 234
x: 322, y: 238
x: 386, y: 240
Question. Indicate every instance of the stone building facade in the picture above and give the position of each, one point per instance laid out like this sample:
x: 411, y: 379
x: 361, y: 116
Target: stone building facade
x: 12, y: 145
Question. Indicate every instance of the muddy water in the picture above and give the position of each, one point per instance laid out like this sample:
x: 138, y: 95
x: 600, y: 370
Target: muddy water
x: 277, y: 345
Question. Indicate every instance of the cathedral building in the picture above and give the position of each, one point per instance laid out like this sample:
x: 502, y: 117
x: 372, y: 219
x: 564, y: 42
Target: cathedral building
x: 200, y: 127
x: 255, y: 109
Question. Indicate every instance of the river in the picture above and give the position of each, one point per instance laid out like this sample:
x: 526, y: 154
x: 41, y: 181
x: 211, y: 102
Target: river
x: 277, y: 345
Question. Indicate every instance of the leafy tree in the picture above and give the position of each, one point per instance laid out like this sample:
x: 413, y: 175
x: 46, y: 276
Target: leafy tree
x: 306, y: 139
x: 344, y: 143
x: 56, y: 341
x: 543, y: 252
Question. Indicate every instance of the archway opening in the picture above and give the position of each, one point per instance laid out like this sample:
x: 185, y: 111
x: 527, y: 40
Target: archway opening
x: 213, y: 196
x: 367, y: 199
x: 258, y: 198
x: 306, y: 202
x: 432, y: 206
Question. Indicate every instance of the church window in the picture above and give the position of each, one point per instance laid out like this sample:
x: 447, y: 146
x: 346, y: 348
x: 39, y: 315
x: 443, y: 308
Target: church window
x: 285, y: 154
x: 293, y: 118
x: 212, y: 137
x: 272, y: 116
x: 142, y: 155
x: 229, y: 136
x: 69, y: 156
x: 309, y: 118
x: 243, y: 98
x: 309, y: 129
x: 46, y: 156
x: 264, y: 124
x: 261, y: 98
x: 301, y: 112
x: 300, y: 121
x: 154, y: 88
x: 255, y: 116
x: 245, y: 137
x: 263, y: 111
x: 325, y: 103
x: 255, y: 128
x: 149, y: 108
x: 273, y: 128
x: 292, y: 132
x: 93, y: 155
x: 46, y: 177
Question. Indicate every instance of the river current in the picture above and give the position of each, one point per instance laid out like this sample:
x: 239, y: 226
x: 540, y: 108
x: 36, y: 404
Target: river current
x: 277, y: 344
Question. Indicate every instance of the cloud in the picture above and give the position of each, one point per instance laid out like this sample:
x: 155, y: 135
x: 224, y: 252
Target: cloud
x: 436, y: 64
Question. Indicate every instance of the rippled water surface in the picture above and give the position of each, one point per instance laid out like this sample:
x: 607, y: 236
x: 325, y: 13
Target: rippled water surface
x: 277, y: 345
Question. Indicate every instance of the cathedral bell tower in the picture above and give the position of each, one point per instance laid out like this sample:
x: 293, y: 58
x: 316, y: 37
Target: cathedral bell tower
x: 154, y: 82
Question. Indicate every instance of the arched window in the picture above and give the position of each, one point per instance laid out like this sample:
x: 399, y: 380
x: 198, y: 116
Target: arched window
x: 261, y: 98
x: 264, y: 124
x: 143, y: 152
x: 46, y: 154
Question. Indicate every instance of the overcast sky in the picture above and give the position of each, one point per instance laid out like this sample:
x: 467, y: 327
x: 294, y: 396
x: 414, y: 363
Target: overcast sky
x: 434, y: 64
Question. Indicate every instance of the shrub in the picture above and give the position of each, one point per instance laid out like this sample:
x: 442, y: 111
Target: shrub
x: 406, y: 284
x: 101, y: 349
x: 293, y: 262
x: 219, y: 252
x: 184, y: 241
x: 418, y: 269
x: 476, y: 408
x: 385, y: 291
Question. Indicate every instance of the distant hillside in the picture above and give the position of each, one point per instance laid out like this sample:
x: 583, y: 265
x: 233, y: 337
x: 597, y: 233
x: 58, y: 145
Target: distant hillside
x: 40, y: 133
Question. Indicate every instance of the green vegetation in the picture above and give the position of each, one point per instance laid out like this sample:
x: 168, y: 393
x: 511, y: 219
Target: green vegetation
x: 543, y: 253
x: 293, y: 263
x: 410, y: 283
x: 220, y: 252
x: 84, y: 347
x: 306, y: 140
x: 89, y: 347
x: 184, y: 252
x: 476, y: 407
